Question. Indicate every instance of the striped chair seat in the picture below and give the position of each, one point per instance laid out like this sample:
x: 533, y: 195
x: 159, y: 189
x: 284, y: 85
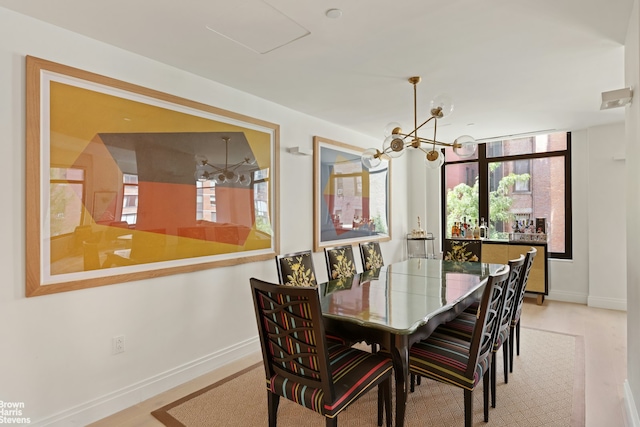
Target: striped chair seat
x: 334, y: 339
x: 460, y: 327
x: 445, y: 358
x: 353, y: 370
x: 473, y: 308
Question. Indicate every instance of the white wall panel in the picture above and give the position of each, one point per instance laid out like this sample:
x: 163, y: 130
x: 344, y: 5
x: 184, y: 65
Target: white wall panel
x: 55, y: 354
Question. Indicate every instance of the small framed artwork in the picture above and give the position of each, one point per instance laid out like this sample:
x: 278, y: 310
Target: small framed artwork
x: 127, y: 183
x: 352, y: 203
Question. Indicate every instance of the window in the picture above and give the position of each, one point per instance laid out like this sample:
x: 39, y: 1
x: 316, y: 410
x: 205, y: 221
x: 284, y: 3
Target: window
x: 67, y: 195
x: 206, y: 200
x: 522, y: 167
x: 261, y: 200
x: 515, y: 182
x: 130, y: 198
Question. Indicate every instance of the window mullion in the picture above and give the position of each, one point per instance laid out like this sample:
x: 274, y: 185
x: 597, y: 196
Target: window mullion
x: 483, y: 183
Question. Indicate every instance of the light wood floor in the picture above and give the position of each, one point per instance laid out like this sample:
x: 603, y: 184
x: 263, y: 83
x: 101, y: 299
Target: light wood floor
x: 604, y: 333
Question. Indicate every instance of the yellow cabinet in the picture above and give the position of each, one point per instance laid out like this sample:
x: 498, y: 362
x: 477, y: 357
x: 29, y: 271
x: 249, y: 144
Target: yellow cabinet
x: 502, y: 252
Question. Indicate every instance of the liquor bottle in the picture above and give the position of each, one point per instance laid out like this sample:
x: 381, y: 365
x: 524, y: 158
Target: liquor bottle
x: 476, y: 231
x: 454, y: 229
x: 483, y: 230
x: 463, y: 230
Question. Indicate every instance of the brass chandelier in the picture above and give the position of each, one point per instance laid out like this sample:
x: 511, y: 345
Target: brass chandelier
x: 205, y: 171
x: 396, y: 141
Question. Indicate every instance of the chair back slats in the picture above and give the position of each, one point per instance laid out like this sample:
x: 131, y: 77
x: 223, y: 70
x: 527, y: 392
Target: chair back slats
x: 522, y: 284
x: 293, y: 339
x: 371, y: 256
x: 488, y: 319
x: 296, y: 269
x: 340, y: 262
x: 516, y: 267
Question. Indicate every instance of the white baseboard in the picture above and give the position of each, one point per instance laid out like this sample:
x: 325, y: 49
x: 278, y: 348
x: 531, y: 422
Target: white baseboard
x: 631, y: 410
x: 610, y: 303
x: 575, y: 297
x: 133, y: 394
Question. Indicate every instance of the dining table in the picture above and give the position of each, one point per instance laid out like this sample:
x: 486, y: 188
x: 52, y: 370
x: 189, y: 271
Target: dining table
x: 400, y: 304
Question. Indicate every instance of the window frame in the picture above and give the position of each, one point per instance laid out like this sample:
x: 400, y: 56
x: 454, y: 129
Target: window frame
x: 483, y: 188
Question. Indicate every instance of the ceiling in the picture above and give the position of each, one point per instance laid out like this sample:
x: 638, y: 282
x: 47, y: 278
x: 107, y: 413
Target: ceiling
x: 510, y: 66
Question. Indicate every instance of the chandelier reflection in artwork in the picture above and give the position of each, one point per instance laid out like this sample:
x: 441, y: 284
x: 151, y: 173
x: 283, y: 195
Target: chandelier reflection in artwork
x: 396, y: 141
x: 205, y: 171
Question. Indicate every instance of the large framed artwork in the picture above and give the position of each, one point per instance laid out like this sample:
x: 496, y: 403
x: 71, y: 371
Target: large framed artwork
x: 126, y: 183
x: 351, y: 203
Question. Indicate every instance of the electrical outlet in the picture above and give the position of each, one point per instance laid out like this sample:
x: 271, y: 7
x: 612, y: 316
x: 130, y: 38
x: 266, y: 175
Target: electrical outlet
x: 117, y: 344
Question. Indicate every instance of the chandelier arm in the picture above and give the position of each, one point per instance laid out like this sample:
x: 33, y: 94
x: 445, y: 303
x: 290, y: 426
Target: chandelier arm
x: 415, y: 131
x: 431, y: 141
x: 226, y: 153
x: 230, y: 168
x: 415, y: 111
x: 237, y: 165
x: 215, y: 168
x: 435, y: 127
x: 389, y: 149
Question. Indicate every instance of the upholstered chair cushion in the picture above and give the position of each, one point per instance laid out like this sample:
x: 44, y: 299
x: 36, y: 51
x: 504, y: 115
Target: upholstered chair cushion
x: 445, y: 358
x: 297, y: 269
x: 340, y: 262
x: 371, y: 256
x: 353, y: 373
x: 462, y: 250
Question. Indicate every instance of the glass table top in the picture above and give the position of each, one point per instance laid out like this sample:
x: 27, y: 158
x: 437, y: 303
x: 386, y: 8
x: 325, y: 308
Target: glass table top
x: 438, y: 268
x: 403, y: 296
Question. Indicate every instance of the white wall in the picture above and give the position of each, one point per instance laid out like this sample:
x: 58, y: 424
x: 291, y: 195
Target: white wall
x: 569, y: 279
x: 55, y: 351
x: 606, y: 207
x: 632, y: 79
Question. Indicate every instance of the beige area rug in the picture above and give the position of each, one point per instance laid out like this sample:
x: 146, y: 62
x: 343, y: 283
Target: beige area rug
x: 546, y: 388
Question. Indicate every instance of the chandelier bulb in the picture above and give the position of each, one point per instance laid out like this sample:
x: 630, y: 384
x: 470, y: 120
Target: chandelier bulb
x: 201, y: 159
x: 220, y: 178
x: 393, y: 146
x: 465, y: 146
x: 392, y: 128
x: 434, y: 159
x: 371, y: 158
x: 443, y: 106
x: 244, y: 180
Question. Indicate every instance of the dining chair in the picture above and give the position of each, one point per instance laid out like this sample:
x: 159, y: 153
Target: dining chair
x: 517, y: 312
x: 340, y: 262
x: 296, y: 269
x: 371, y: 255
x: 516, y: 269
x: 462, y: 250
x: 462, y: 326
x: 302, y: 366
x: 448, y: 358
